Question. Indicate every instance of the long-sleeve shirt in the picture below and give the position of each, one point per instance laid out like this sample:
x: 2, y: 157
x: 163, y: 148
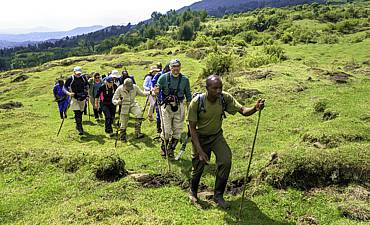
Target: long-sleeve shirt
x: 105, y: 94
x: 148, y: 82
x: 170, y: 85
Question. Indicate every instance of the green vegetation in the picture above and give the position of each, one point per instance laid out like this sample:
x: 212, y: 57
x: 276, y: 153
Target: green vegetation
x: 311, y: 163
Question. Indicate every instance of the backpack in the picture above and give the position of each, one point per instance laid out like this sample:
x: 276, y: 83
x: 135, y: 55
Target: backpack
x: 201, y: 101
x: 73, y: 79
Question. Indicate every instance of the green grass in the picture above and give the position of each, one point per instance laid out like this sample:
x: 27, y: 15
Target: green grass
x: 38, y: 186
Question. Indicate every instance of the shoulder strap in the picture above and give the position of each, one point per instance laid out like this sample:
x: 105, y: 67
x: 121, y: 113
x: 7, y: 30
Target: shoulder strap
x: 70, y: 85
x: 169, y: 83
x: 201, y: 107
x: 224, y: 105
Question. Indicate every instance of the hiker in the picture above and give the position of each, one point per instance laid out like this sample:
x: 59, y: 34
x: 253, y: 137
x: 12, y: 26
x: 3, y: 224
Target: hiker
x: 94, y: 84
x: 62, y: 98
x: 76, y: 86
x: 125, y: 76
x: 206, y: 112
x: 125, y: 96
x: 104, y: 95
x: 173, y: 87
x: 148, y: 87
x: 116, y: 79
x: 154, y: 83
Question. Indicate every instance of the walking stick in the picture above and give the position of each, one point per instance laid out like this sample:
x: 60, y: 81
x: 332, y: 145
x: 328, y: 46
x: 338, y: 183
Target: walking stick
x: 249, y: 164
x: 88, y: 108
x: 146, y: 103
x: 164, y: 135
x: 183, y: 146
x: 60, y: 128
x: 118, y: 124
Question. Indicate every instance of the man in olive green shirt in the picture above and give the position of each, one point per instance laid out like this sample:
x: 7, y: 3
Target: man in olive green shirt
x: 205, y: 123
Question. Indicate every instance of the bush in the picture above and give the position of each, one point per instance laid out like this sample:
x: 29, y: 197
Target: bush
x: 196, y: 53
x: 218, y: 63
x: 161, y: 42
x: 186, y: 32
x: 275, y: 51
x: 327, y: 38
x: 357, y: 38
x: 262, y: 39
x: 255, y: 60
x: 347, y: 26
x: 203, y: 41
x: 120, y: 49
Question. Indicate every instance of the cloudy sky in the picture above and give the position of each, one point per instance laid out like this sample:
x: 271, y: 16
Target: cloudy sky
x: 21, y: 15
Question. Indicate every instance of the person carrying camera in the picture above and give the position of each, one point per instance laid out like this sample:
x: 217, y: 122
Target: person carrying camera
x: 76, y: 86
x: 172, y: 87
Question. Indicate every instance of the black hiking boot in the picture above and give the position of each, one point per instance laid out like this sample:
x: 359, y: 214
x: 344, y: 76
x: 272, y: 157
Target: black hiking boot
x: 163, y: 149
x: 123, y: 136
x: 172, y: 147
x: 218, y: 197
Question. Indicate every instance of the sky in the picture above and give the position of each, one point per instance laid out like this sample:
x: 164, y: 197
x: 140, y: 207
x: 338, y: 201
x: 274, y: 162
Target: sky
x: 51, y: 15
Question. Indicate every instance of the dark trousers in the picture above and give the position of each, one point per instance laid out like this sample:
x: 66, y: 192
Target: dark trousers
x: 109, y: 113
x: 97, y: 112
x: 218, y: 145
x: 78, y: 119
x: 158, y: 118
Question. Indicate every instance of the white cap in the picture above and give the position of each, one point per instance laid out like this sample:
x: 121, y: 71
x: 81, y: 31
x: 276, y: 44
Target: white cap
x: 175, y: 62
x: 114, y: 74
x: 77, y: 70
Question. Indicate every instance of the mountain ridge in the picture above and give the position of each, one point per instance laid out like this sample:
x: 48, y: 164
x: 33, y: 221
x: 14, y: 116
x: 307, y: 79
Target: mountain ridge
x: 44, y: 36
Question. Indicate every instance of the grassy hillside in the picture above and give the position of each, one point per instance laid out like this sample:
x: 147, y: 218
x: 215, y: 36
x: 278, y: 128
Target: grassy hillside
x: 311, y: 162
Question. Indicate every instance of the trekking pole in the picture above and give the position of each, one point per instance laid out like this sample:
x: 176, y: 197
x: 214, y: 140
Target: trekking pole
x: 164, y: 135
x: 88, y: 108
x: 118, y: 124
x: 183, y: 146
x: 60, y: 128
x: 146, y: 103
x: 249, y: 165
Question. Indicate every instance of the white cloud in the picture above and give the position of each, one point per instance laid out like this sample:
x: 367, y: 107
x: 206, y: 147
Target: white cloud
x: 68, y: 14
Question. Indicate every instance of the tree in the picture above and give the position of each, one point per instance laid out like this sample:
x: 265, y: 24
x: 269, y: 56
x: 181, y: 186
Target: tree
x: 186, y: 32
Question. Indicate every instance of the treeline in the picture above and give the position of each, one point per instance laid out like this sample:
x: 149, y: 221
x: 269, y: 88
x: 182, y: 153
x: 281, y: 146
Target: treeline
x: 33, y: 55
x: 102, y: 41
x: 200, y: 34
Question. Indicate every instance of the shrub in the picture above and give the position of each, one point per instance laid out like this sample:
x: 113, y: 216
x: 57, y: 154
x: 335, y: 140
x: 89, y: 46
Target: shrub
x: 218, y: 63
x: 203, y: 41
x: 327, y: 38
x: 275, y: 51
x: 255, y: 60
x: 120, y: 49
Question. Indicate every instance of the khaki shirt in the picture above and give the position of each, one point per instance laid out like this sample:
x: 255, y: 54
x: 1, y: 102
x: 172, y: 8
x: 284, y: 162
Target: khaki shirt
x: 128, y: 97
x: 209, y: 121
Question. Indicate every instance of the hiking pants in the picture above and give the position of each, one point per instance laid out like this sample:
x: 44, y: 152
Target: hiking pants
x: 125, y: 114
x: 109, y: 113
x: 173, y: 122
x: 218, y: 145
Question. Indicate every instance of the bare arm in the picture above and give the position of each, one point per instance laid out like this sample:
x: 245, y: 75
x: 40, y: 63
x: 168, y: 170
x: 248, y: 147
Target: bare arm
x: 250, y: 111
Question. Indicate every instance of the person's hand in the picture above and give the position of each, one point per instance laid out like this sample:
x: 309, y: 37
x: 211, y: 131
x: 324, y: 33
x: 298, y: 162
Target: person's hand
x: 260, y: 104
x: 156, y: 90
x: 96, y: 105
x: 203, y: 157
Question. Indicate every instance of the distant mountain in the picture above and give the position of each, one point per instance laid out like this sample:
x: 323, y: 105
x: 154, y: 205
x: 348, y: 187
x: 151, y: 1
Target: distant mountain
x: 43, y: 36
x: 26, y: 30
x: 8, y: 44
x: 222, y: 7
